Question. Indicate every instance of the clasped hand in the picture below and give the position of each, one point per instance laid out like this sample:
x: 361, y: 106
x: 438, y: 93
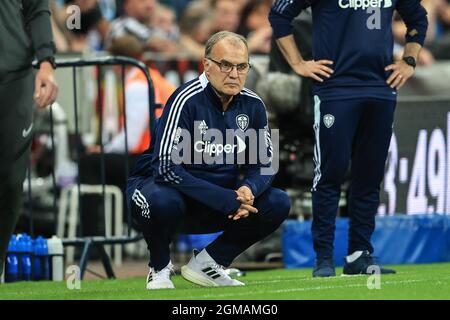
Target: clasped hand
x: 246, y: 198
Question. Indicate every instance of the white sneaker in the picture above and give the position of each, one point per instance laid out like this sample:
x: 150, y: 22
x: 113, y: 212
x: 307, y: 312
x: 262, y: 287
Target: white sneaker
x: 204, y: 271
x: 160, y: 279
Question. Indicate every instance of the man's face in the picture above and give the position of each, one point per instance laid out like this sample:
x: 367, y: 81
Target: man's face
x: 227, y: 52
x: 164, y: 20
x: 257, y: 19
x: 226, y: 16
x: 142, y: 10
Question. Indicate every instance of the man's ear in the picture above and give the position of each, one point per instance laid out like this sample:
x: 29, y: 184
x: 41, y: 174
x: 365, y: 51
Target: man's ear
x: 206, y: 65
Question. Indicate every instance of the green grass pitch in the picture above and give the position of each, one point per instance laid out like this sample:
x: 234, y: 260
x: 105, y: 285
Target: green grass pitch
x: 427, y: 281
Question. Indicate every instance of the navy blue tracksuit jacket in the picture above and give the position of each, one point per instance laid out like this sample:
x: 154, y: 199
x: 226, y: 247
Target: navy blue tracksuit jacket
x: 195, y: 107
x: 341, y: 33
x: 354, y: 108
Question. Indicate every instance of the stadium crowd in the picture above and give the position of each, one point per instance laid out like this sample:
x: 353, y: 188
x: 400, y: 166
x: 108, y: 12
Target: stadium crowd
x: 167, y: 27
x: 174, y: 27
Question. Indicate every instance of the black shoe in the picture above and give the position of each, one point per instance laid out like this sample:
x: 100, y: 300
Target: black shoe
x: 324, y: 268
x: 362, y: 264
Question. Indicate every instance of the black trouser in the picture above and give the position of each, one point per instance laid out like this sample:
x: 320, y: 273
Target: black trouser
x: 16, y: 118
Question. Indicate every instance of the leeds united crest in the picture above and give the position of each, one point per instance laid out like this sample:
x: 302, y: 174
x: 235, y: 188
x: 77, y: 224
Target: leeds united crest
x: 242, y: 121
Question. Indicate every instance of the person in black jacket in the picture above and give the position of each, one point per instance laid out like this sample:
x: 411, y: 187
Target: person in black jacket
x: 25, y: 35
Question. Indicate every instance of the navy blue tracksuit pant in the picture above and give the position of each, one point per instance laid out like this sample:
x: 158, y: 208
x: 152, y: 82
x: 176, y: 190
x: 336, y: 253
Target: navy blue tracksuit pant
x: 353, y: 132
x: 161, y: 212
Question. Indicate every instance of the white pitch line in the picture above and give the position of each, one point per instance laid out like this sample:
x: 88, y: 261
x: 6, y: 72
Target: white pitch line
x: 304, y: 289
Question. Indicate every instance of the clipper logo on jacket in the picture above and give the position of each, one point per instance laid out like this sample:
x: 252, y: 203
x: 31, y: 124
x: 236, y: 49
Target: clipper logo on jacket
x: 215, y: 149
x: 364, y: 4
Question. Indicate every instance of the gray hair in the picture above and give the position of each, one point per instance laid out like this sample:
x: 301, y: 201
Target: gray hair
x: 221, y: 35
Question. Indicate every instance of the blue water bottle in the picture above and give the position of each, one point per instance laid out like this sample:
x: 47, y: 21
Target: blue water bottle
x: 37, y: 273
x: 12, y: 262
x: 24, y: 248
x: 40, y: 264
x: 46, y: 259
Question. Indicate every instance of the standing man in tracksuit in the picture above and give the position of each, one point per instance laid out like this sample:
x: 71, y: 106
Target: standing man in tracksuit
x: 210, y: 118
x: 25, y: 35
x: 355, y: 91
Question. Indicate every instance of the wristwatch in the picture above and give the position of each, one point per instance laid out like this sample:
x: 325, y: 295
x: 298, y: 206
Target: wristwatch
x: 51, y: 60
x: 410, y: 61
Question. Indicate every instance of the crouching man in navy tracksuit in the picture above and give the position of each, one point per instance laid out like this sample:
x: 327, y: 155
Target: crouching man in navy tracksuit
x: 355, y: 92
x: 189, y: 179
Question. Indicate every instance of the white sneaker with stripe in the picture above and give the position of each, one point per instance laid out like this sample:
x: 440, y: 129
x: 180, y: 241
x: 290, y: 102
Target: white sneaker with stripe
x: 160, y: 279
x: 204, y: 271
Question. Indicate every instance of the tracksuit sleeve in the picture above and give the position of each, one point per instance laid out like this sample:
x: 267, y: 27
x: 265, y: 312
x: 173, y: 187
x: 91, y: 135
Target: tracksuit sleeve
x: 283, y: 12
x: 36, y: 15
x: 258, y: 177
x: 174, y: 174
x: 415, y: 17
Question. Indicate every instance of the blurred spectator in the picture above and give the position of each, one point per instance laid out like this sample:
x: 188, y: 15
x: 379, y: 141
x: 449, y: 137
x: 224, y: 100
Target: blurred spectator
x: 225, y: 15
x: 254, y: 16
x: 165, y: 22
x: 255, y: 26
x: 431, y: 7
x: 110, y: 8
x: 178, y: 6
x: 195, y: 29
x: 93, y: 26
x: 248, y: 18
x: 443, y: 13
x: 136, y: 96
x: 441, y: 46
x: 137, y: 21
x: 60, y: 40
